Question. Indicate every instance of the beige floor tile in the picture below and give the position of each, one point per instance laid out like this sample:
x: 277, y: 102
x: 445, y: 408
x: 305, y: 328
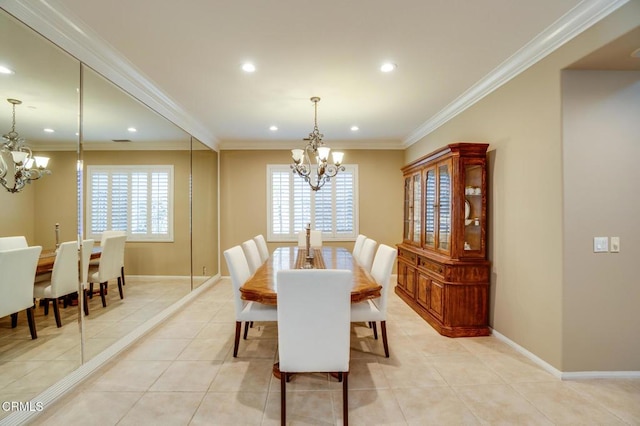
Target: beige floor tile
x: 187, y: 376
x: 93, y: 407
x: 437, y: 405
x: 463, y: 369
x: 620, y: 396
x: 243, y: 375
x: 565, y: 406
x: 163, y: 408
x: 207, y: 349
x: 303, y: 408
x: 42, y: 378
x: 230, y: 408
x: 410, y: 372
x: 153, y: 349
x: 370, y: 407
x: 130, y: 375
x: 177, y: 330
x: 500, y: 405
x: 514, y: 367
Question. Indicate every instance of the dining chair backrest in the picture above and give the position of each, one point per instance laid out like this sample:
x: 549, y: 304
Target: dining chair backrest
x: 110, y: 233
x: 18, y: 268
x: 357, y: 246
x: 314, y: 319
x: 381, y: 272
x: 9, y: 243
x: 365, y: 259
x: 262, y: 247
x: 64, y: 277
x: 111, y: 258
x: 85, y: 254
x: 252, y: 255
x: 240, y: 273
x: 315, y: 238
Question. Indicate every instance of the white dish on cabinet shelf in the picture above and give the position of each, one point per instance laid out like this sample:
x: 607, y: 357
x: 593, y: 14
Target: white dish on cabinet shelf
x: 467, y: 209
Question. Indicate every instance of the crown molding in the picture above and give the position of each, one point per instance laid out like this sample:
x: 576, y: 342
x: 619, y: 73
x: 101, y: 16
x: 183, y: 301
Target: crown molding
x: 267, y: 145
x: 577, y: 20
x: 53, y: 21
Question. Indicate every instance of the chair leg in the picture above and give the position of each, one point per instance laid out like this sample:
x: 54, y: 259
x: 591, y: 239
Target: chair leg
x: 45, y: 303
x: 283, y: 398
x: 246, y: 330
x: 14, y: 320
x: 32, y: 323
x: 103, y: 290
x: 383, y: 328
x: 120, y: 288
x: 56, y: 312
x: 375, y: 331
x: 122, y: 274
x: 345, y: 398
x: 237, y: 339
x: 85, y: 301
x: 90, y: 290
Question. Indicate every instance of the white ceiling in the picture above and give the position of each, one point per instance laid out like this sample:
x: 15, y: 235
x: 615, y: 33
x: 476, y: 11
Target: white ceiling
x: 185, y: 61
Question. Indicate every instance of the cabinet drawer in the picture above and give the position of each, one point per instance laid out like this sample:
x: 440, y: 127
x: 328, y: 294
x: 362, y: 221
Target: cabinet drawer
x: 407, y: 256
x: 431, y: 266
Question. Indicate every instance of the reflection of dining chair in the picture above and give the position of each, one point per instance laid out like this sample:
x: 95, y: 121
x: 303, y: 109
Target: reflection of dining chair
x: 105, y: 235
x: 262, y: 247
x: 10, y: 243
x: 371, y: 311
x: 64, y: 279
x: 252, y: 255
x: 245, y: 311
x: 365, y: 259
x: 109, y: 266
x: 85, y: 256
x: 314, y: 326
x: 18, y: 268
x: 357, y: 246
x: 315, y: 238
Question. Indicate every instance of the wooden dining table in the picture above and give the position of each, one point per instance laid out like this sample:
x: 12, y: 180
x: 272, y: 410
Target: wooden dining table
x: 262, y: 286
x: 48, y: 258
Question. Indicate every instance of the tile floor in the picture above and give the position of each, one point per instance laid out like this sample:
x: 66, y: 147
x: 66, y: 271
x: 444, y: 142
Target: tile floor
x: 28, y: 367
x: 183, y: 373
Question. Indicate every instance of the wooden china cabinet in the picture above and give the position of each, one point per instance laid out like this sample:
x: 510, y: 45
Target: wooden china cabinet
x: 443, y: 271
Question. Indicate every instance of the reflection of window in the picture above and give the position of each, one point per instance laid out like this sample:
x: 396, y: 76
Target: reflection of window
x: 292, y: 204
x: 135, y: 199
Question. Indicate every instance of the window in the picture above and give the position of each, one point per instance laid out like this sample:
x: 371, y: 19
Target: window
x: 135, y: 199
x: 292, y: 204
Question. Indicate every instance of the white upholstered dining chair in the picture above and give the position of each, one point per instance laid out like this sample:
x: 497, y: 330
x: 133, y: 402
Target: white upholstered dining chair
x: 18, y: 268
x: 245, y: 311
x: 85, y: 257
x: 374, y: 310
x: 106, y: 234
x: 262, y: 247
x: 315, y: 238
x: 314, y: 326
x: 357, y: 246
x: 64, y: 279
x: 9, y: 243
x: 365, y: 258
x: 252, y: 255
x: 109, y: 267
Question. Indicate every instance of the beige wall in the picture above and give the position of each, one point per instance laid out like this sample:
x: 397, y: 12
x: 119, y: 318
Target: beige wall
x: 243, y: 200
x: 205, y: 212
x: 601, y: 146
x: 17, y: 213
x: 522, y: 122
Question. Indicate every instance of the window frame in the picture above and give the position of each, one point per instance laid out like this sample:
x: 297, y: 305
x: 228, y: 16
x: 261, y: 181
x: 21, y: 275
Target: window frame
x: 149, y: 169
x: 293, y: 235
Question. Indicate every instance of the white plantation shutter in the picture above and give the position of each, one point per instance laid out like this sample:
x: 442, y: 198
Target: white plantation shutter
x: 292, y: 204
x: 135, y: 199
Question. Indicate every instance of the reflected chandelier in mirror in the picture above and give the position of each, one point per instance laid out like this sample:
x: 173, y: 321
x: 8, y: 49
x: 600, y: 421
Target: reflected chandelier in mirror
x: 16, y: 156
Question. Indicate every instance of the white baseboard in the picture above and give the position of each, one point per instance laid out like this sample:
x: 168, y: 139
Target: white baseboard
x: 573, y: 375
x: 62, y: 387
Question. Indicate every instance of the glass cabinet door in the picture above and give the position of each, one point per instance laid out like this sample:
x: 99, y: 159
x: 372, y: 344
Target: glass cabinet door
x: 406, y: 233
x: 473, y: 194
x: 430, y: 205
x: 444, y: 206
x: 417, y: 207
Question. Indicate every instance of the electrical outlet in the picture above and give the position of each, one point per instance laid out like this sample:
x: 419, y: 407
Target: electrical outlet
x: 600, y: 244
x: 615, y: 244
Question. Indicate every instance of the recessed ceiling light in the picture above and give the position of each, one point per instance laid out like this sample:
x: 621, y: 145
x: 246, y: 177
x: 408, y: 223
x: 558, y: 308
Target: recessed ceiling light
x: 5, y: 70
x: 49, y: 130
x: 355, y: 128
x: 132, y: 129
x: 388, y: 67
x: 248, y: 67
x: 273, y: 128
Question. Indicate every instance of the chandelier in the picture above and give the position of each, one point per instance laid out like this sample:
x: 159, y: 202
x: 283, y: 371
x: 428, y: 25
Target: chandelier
x: 18, y: 165
x: 324, y: 171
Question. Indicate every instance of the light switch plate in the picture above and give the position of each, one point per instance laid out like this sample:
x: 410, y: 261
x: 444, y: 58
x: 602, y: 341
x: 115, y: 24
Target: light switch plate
x: 600, y: 244
x: 615, y: 244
